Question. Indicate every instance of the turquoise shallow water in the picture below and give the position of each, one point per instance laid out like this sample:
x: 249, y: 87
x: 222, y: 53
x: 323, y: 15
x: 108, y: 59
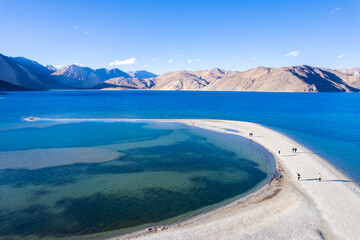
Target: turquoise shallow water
x: 69, y: 179
x: 112, y: 161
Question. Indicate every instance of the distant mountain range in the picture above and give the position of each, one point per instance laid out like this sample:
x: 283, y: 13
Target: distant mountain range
x: 19, y: 74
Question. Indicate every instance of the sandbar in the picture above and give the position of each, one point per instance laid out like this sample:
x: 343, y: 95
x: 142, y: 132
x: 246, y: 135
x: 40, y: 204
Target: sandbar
x: 286, y: 208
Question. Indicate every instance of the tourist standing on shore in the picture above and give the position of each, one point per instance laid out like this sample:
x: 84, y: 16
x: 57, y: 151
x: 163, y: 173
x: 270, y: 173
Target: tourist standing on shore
x: 295, y: 150
x: 319, y: 177
x: 298, y: 176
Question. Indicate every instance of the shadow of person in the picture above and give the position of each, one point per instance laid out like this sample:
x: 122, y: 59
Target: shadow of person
x: 309, y: 179
x: 337, y: 180
x: 316, y: 179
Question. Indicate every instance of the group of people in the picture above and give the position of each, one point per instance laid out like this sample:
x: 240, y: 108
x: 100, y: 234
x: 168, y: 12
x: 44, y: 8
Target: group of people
x: 298, y: 175
x: 294, y: 150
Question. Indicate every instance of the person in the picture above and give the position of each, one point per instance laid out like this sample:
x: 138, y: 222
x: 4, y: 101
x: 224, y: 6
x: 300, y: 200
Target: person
x: 298, y: 176
x: 295, y: 150
x: 319, y: 177
x: 279, y: 152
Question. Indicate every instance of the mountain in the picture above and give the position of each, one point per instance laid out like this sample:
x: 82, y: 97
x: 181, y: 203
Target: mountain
x: 83, y: 77
x: 51, y: 68
x: 187, y: 80
x: 105, y: 74
x: 123, y: 83
x: 76, y: 77
x: 285, y: 79
x: 24, y: 72
x: 142, y: 74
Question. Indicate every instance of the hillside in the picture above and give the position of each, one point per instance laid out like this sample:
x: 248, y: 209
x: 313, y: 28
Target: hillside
x: 6, y: 86
x: 123, y: 83
x: 23, y: 72
x: 353, y: 76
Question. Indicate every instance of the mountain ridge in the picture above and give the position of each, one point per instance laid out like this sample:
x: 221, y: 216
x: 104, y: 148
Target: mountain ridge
x: 29, y: 74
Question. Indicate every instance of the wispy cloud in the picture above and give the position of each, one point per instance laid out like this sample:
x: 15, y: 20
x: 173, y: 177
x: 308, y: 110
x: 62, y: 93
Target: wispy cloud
x: 253, y: 58
x: 129, y: 61
x: 76, y: 27
x: 194, y: 60
x: 335, y: 10
x: 170, y: 60
x: 145, y: 66
x: 341, y: 56
x: 86, y: 33
x: 293, y: 54
x: 154, y: 59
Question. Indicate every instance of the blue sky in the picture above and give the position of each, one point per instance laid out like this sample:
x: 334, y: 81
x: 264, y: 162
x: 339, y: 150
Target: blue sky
x: 162, y: 36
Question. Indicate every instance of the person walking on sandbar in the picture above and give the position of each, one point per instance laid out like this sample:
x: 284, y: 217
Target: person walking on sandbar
x: 298, y: 176
x: 319, y: 177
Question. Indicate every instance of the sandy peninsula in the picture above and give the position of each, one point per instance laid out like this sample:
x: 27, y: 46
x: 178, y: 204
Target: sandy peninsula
x: 286, y: 208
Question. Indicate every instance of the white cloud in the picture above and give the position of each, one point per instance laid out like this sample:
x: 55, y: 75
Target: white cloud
x: 189, y: 61
x: 253, y: 58
x: 86, y: 33
x: 335, y: 10
x: 57, y: 66
x: 170, y: 60
x: 154, y: 59
x: 76, y: 27
x: 198, y: 59
x: 293, y: 53
x: 145, y: 66
x: 129, y: 61
x: 78, y: 64
x: 341, y: 56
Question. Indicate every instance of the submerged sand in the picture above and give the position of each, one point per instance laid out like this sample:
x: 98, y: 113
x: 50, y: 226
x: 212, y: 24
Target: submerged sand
x: 283, y: 209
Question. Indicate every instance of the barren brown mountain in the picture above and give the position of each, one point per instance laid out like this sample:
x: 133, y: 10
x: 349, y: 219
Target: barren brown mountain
x: 287, y: 79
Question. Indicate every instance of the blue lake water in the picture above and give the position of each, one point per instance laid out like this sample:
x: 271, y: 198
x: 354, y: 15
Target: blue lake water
x: 109, y: 172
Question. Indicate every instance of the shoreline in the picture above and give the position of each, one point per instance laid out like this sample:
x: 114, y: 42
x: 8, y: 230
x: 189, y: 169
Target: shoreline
x: 284, y: 209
